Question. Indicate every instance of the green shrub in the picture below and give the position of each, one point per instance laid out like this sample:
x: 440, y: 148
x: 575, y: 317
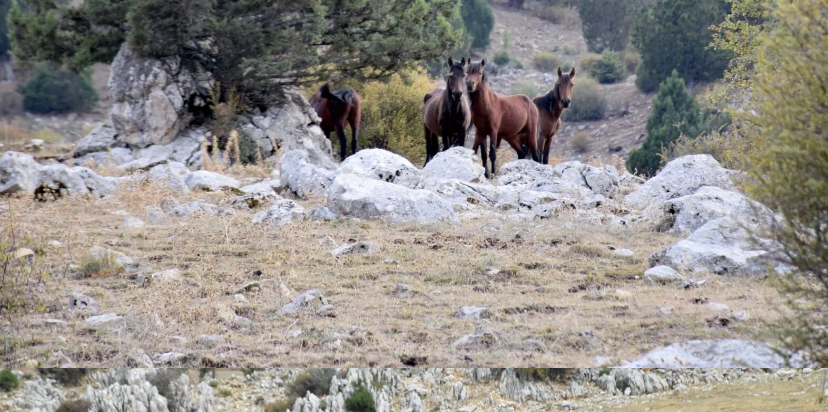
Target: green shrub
x: 542, y: 374
x: 588, y: 101
x: 74, y: 405
x: 360, y: 401
x: 479, y: 21
x: 53, y: 90
x: 501, y: 58
x: 546, y: 62
x: 609, y: 69
x: 675, y: 35
x: 675, y: 113
x: 316, y: 381
x: 565, y: 16
x: 5, y: 6
x: 66, y: 377
x: 162, y: 380
x: 580, y: 141
x: 588, y: 62
x: 281, y: 405
x: 8, y: 380
x: 606, y: 23
x: 11, y: 103
x: 525, y: 87
x: 631, y: 61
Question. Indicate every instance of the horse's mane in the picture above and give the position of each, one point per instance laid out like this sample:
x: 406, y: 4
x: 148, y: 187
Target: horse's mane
x: 346, y: 95
x: 549, y: 100
x: 475, y: 68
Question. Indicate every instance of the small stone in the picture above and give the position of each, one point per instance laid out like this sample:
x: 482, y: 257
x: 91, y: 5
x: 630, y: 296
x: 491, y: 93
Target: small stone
x: 389, y: 261
x: 627, y: 391
x: 22, y: 253
x: 666, y: 310
x: 55, y: 323
x: 80, y: 301
x: 54, y: 244
x: 473, y: 312
x: 241, y: 322
x: 621, y: 252
x: 109, y: 319
x: 326, y: 240
x: 717, y: 307
x: 326, y: 310
x: 140, y: 359
x: 302, y: 301
x: 401, y: 288
x: 492, y: 271
x: 741, y: 315
x: 132, y: 223
x: 600, y: 361
x: 247, y: 287
x: 210, y: 340
x: 663, y: 274
x: 170, y: 357
x: 178, y: 340
x: 359, y: 247
x: 169, y: 275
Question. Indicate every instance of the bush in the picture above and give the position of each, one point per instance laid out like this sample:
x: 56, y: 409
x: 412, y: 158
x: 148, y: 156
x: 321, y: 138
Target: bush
x: 65, y: 377
x: 675, y: 113
x: 8, y: 381
x: 360, y: 401
x: 631, y: 61
x: 501, y: 58
x: 729, y: 149
x: 53, y: 90
x: 675, y: 35
x: 609, y: 69
x: 606, y: 23
x: 565, y: 16
x: 542, y: 374
x: 5, y: 6
x: 546, y: 62
x: 589, y: 62
x: 525, y: 87
x: 11, y: 103
x: 588, y: 101
x: 580, y: 141
x: 392, y: 114
x: 281, y: 405
x: 162, y: 380
x: 74, y: 405
x: 315, y: 381
x: 479, y: 21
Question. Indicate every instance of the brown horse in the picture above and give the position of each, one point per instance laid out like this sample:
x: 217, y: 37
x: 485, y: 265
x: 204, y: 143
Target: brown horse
x: 446, y: 112
x: 513, y: 118
x: 551, y: 107
x: 336, y: 108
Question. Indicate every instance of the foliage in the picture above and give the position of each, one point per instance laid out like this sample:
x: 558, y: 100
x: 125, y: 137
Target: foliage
x: 632, y: 59
x: 316, y: 381
x: 589, y: 102
x: 5, y: 6
x: 162, y: 380
x: 546, y: 62
x: 729, y: 149
x: 11, y: 102
x: 392, y: 114
x: 360, y: 401
x: 74, y: 405
x: 580, y: 141
x: 501, y: 58
x: 52, y: 90
x: 675, y: 35
x: 609, y: 68
x: 525, y: 87
x: 588, y: 62
x: 566, y: 16
x: 542, y: 374
x: 675, y: 112
x: 790, y: 171
x: 66, y: 377
x: 281, y: 405
x: 8, y: 380
x: 479, y: 21
x: 257, y: 47
x: 606, y: 23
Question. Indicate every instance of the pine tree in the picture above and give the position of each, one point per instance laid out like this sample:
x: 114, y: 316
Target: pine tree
x: 675, y: 35
x: 5, y: 6
x: 479, y: 21
x: 675, y: 113
x: 606, y: 23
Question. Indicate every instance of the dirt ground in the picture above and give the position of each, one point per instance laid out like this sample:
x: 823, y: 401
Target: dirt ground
x: 555, y: 293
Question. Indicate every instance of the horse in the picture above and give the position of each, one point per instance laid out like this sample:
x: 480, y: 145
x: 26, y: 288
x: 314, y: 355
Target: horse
x: 335, y: 108
x: 551, y: 106
x: 446, y: 112
x: 513, y: 118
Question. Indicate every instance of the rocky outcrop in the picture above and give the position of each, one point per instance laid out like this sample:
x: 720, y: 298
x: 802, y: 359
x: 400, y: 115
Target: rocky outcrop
x: 681, y: 177
x: 18, y: 173
x: 381, y: 165
x: 685, y: 214
x: 457, y: 163
x: 302, y: 178
x: 728, y: 353
x: 282, y: 212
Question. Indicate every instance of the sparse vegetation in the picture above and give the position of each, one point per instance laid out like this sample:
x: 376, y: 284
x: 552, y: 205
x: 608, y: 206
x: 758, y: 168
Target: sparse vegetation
x: 580, y: 141
x: 315, y: 381
x: 281, y: 405
x: 66, y: 377
x: 74, y: 405
x: 162, y: 379
x: 360, y: 401
x: 8, y: 380
x: 53, y: 90
x: 546, y: 62
x: 589, y: 62
x: 588, y: 101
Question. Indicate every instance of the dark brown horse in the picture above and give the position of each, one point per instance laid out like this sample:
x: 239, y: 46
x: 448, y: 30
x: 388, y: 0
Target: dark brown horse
x: 510, y: 118
x: 551, y: 107
x: 336, y: 108
x: 446, y: 112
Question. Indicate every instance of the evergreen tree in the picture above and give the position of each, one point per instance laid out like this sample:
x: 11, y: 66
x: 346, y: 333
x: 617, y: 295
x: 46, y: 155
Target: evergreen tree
x: 675, y: 112
x: 606, y: 23
x: 5, y: 6
x: 675, y: 35
x: 360, y: 401
x: 479, y: 21
x: 254, y: 46
x: 52, y: 90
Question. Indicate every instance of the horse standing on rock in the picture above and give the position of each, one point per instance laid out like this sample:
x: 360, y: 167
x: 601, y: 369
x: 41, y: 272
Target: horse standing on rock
x: 551, y: 106
x: 446, y: 112
x: 336, y: 108
x: 513, y: 118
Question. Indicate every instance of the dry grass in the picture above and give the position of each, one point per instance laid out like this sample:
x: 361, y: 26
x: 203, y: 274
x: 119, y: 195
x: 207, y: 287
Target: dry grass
x: 580, y: 141
x: 557, y: 279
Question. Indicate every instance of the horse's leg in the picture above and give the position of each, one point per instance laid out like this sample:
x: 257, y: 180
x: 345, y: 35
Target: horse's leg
x: 445, y: 142
x: 343, y: 142
x: 547, y: 145
x: 354, y: 138
x: 480, y: 142
x: 493, y: 154
x: 532, y: 137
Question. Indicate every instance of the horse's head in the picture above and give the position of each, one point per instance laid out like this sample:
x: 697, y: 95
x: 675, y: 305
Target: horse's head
x: 336, y: 106
x: 564, y: 86
x: 456, y: 78
x: 475, y: 76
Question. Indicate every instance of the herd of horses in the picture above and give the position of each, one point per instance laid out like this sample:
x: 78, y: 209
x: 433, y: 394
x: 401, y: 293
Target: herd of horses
x: 448, y: 113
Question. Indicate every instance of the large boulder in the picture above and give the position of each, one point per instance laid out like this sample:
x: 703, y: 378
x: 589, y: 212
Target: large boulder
x: 456, y: 163
x: 601, y: 181
x: 113, y: 157
x: 211, y: 181
x: 361, y: 197
x: 18, y: 173
x: 61, y: 180
x: 681, y: 177
x: 722, y: 246
x: 685, y: 214
x: 301, y: 177
x: 294, y: 125
x: 282, y: 212
x: 523, y: 172
x: 381, y: 165
x: 152, y: 97
x: 727, y: 353
x: 100, y: 139
x: 170, y: 174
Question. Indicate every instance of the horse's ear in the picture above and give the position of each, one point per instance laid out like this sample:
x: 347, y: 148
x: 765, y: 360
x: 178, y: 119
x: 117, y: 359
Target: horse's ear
x: 483, y: 62
x: 451, y: 62
x: 572, y: 72
x: 560, y: 72
x: 325, y: 90
x: 463, y: 61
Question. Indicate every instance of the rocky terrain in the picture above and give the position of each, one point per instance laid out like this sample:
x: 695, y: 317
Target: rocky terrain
x: 421, y: 390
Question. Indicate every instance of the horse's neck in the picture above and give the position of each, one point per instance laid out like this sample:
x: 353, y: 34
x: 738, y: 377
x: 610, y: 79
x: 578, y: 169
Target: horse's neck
x: 554, y: 102
x: 483, y: 98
